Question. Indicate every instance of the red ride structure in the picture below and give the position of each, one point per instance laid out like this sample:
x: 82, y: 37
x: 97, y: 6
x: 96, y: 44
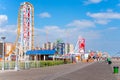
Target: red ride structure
x: 82, y: 45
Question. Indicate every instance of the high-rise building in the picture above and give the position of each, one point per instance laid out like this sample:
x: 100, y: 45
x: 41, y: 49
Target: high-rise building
x: 48, y: 46
x: 69, y: 48
x: 61, y: 48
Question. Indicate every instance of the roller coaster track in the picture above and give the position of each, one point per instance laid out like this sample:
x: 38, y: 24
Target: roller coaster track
x: 15, y: 46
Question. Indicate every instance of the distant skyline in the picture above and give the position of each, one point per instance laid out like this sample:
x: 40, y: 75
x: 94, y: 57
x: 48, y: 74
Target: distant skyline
x: 98, y: 21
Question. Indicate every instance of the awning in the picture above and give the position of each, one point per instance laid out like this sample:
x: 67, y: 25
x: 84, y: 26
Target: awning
x: 41, y: 52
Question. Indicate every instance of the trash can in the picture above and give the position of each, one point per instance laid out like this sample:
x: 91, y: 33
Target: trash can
x: 116, y: 69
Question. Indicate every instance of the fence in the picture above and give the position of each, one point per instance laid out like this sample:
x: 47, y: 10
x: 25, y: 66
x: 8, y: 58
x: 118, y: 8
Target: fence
x: 9, y: 65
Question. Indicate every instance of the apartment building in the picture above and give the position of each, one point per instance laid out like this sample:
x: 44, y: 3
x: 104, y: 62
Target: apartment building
x: 7, y: 47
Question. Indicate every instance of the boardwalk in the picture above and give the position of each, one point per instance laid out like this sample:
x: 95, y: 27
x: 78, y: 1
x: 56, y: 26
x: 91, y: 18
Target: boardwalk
x: 80, y: 71
x: 97, y: 71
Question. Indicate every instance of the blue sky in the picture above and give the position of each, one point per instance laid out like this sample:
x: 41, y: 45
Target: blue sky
x: 98, y: 21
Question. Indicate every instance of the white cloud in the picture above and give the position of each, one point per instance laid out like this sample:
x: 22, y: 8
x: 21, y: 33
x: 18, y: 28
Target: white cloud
x: 113, y: 28
x: 102, y: 21
x: 11, y: 28
x: 49, y: 29
x: 8, y: 28
x: 109, y: 10
x: 118, y: 4
x: 2, y: 30
x: 104, y: 15
x: 81, y: 24
x: 50, y: 33
x: 45, y: 15
x: 68, y: 34
x: 92, y: 1
x: 9, y: 31
x: 3, y: 19
x: 54, y: 31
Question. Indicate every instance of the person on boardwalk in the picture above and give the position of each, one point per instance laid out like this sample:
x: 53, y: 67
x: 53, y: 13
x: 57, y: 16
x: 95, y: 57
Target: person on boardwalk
x: 109, y: 60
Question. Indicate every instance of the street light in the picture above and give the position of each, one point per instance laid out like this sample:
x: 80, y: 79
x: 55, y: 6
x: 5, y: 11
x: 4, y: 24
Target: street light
x: 3, y: 55
x: 16, y: 64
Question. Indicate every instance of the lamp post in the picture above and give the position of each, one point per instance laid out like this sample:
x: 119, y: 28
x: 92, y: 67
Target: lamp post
x: 3, y: 55
x: 16, y: 64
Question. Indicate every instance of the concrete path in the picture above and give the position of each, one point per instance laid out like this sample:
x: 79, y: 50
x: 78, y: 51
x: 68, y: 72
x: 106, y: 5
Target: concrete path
x: 97, y: 71
x: 79, y: 71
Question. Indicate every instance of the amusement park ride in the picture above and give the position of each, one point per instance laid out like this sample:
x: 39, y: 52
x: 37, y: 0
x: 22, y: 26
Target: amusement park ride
x: 79, y: 50
x: 80, y: 46
x: 81, y: 55
x: 25, y: 36
x: 25, y: 32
